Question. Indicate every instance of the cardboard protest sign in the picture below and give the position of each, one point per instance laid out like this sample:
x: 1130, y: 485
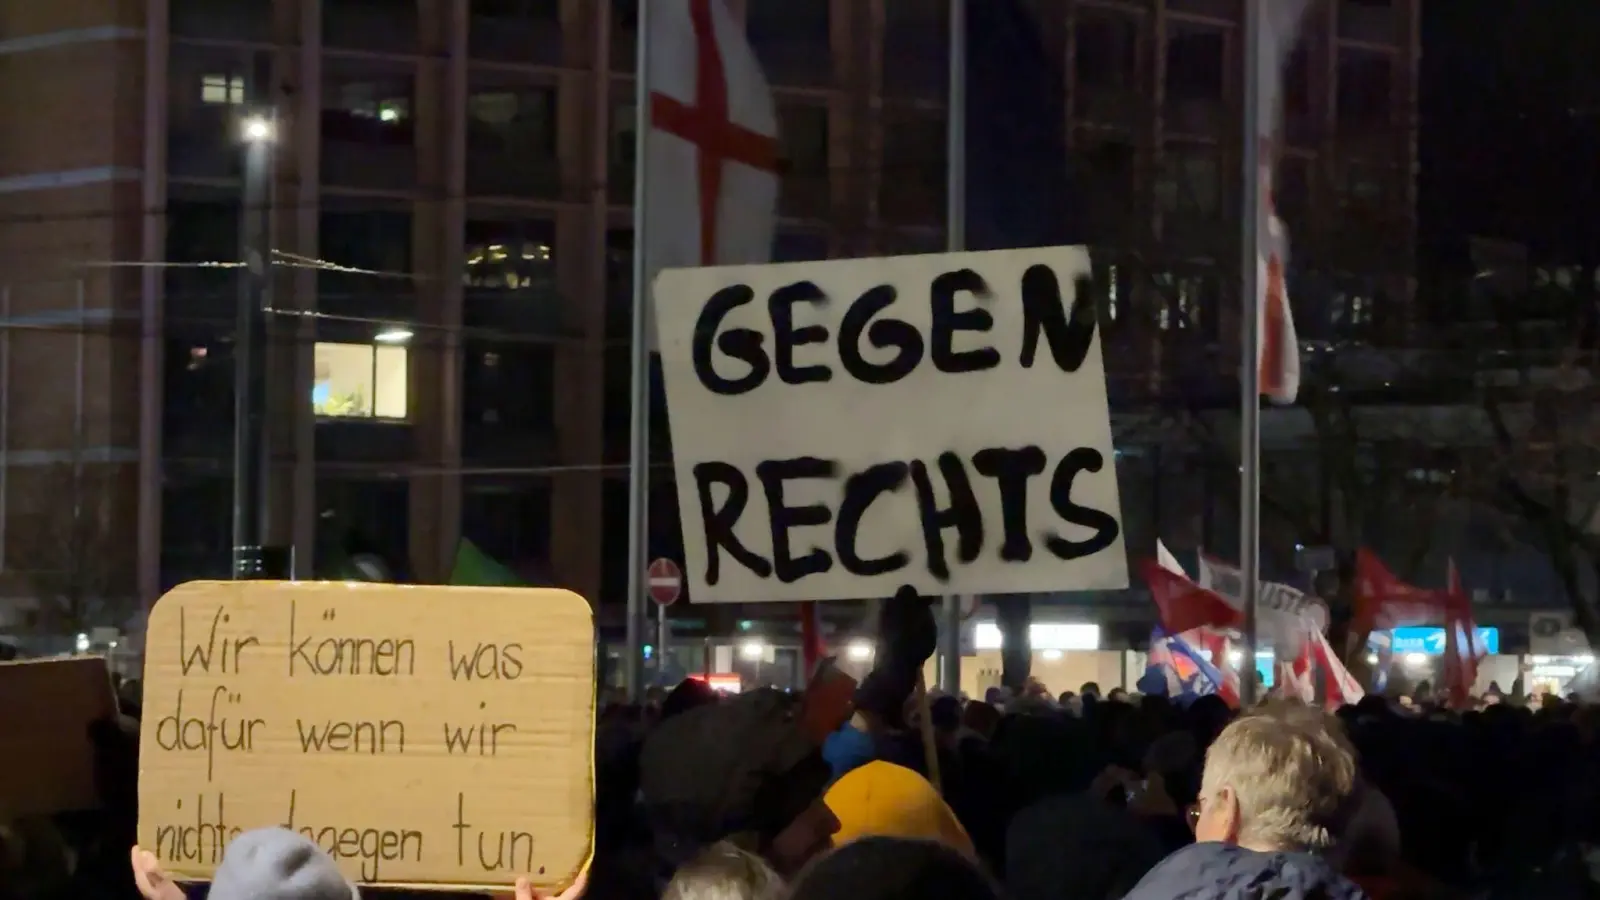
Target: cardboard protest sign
x: 434, y: 737
x: 843, y: 428
x: 46, y: 758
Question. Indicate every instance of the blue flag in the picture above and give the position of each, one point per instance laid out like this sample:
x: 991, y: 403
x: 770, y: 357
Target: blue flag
x: 1018, y: 190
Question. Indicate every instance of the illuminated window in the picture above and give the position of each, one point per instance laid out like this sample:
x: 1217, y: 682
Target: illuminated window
x: 509, y: 255
x: 228, y: 89
x: 363, y: 381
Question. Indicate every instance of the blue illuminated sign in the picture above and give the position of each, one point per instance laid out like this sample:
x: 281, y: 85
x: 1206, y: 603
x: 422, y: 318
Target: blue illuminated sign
x: 1430, y: 641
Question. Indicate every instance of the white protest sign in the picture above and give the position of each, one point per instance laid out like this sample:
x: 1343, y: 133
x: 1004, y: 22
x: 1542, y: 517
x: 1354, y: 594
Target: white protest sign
x: 1286, y: 614
x: 843, y: 428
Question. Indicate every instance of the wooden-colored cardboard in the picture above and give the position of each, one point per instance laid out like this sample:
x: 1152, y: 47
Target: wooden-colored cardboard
x: 46, y: 758
x: 427, y: 737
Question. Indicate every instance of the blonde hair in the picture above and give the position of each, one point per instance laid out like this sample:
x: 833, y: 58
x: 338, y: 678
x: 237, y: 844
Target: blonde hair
x: 1292, y: 771
x: 724, y: 872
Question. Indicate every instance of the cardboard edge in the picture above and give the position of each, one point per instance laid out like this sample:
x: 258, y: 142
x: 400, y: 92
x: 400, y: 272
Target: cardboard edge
x: 578, y: 601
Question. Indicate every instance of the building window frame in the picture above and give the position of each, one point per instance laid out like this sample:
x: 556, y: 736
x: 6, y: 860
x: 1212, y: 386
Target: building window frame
x: 386, y: 397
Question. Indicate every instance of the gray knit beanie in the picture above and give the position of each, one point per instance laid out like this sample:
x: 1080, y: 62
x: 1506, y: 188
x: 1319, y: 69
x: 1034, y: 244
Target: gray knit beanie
x: 278, y: 864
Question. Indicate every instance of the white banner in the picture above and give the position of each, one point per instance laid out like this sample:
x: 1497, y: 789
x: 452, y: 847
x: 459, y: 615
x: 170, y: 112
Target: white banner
x: 843, y: 428
x: 1284, y: 614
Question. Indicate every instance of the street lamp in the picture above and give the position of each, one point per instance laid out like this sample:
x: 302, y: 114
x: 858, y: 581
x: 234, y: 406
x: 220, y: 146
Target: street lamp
x: 257, y: 129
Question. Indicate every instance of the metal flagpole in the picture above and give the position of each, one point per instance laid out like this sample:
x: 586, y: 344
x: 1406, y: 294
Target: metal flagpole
x: 1250, y: 343
x: 250, y: 361
x: 955, y: 219
x: 639, y: 432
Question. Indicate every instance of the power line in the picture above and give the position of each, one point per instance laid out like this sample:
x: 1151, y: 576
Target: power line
x: 379, y: 204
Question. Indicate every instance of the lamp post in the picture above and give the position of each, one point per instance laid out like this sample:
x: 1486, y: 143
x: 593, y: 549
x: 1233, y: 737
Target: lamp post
x: 249, y: 361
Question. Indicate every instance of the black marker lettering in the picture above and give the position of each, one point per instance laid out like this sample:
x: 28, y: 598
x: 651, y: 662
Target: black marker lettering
x: 513, y: 849
x: 333, y: 736
x: 313, y: 655
x: 963, y: 514
x: 1043, y: 310
x: 1011, y: 470
x: 947, y: 321
x: 371, y: 846
x: 1104, y: 525
x: 475, y: 738
x: 719, y: 522
x: 178, y: 732
x: 773, y: 474
x: 197, y: 654
x: 201, y: 843
x: 786, y: 337
x: 743, y: 344
x: 860, y: 490
x: 885, y: 333
x: 485, y: 662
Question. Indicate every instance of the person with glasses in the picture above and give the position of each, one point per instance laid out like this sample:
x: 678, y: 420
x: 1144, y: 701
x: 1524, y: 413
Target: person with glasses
x: 1273, y: 798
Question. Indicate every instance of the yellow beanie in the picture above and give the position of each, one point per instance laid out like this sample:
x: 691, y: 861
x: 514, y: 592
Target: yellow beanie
x: 880, y: 799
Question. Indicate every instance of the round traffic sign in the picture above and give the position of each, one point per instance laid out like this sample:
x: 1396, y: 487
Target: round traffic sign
x: 665, y: 580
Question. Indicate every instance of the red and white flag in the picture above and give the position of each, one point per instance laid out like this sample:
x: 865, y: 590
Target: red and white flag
x: 1279, y: 351
x: 711, y: 195
x: 1298, y: 679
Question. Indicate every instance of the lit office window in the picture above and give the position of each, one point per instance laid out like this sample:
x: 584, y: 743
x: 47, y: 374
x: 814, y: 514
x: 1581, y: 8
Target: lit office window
x: 361, y: 381
x: 226, y: 89
x: 508, y: 265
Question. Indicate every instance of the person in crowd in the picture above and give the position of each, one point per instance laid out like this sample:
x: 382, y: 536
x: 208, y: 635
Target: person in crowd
x: 691, y: 693
x: 1273, y: 797
x: 978, y: 721
x: 743, y: 771
x: 1117, y: 695
x: 889, y: 868
x: 725, y: 872
x: 881, y: 799
x: 1090, y: 689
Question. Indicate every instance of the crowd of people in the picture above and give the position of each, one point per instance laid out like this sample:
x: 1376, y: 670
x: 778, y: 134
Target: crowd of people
x: 701, y: 796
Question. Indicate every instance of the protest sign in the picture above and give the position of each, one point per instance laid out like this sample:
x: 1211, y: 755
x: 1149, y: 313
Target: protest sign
x: 434, y: 737
x: 46, y: 759
x: 843, y: 428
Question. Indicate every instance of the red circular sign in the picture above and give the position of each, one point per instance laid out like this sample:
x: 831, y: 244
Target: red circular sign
x: 665, y: 581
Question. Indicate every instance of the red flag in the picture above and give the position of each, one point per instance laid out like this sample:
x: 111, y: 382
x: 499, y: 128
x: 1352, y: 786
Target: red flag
x: 1383, y: 601
x: 811, y: 648
x: 1184, y: 605
x: 1460, y: 646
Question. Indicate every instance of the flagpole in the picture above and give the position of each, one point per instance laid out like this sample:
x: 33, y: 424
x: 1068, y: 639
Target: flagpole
x: 955, y: 219
x: 1250, y: 343
x: 639, y: 430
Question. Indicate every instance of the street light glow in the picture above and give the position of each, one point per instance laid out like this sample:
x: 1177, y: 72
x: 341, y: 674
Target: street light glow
x: 257, y: 129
